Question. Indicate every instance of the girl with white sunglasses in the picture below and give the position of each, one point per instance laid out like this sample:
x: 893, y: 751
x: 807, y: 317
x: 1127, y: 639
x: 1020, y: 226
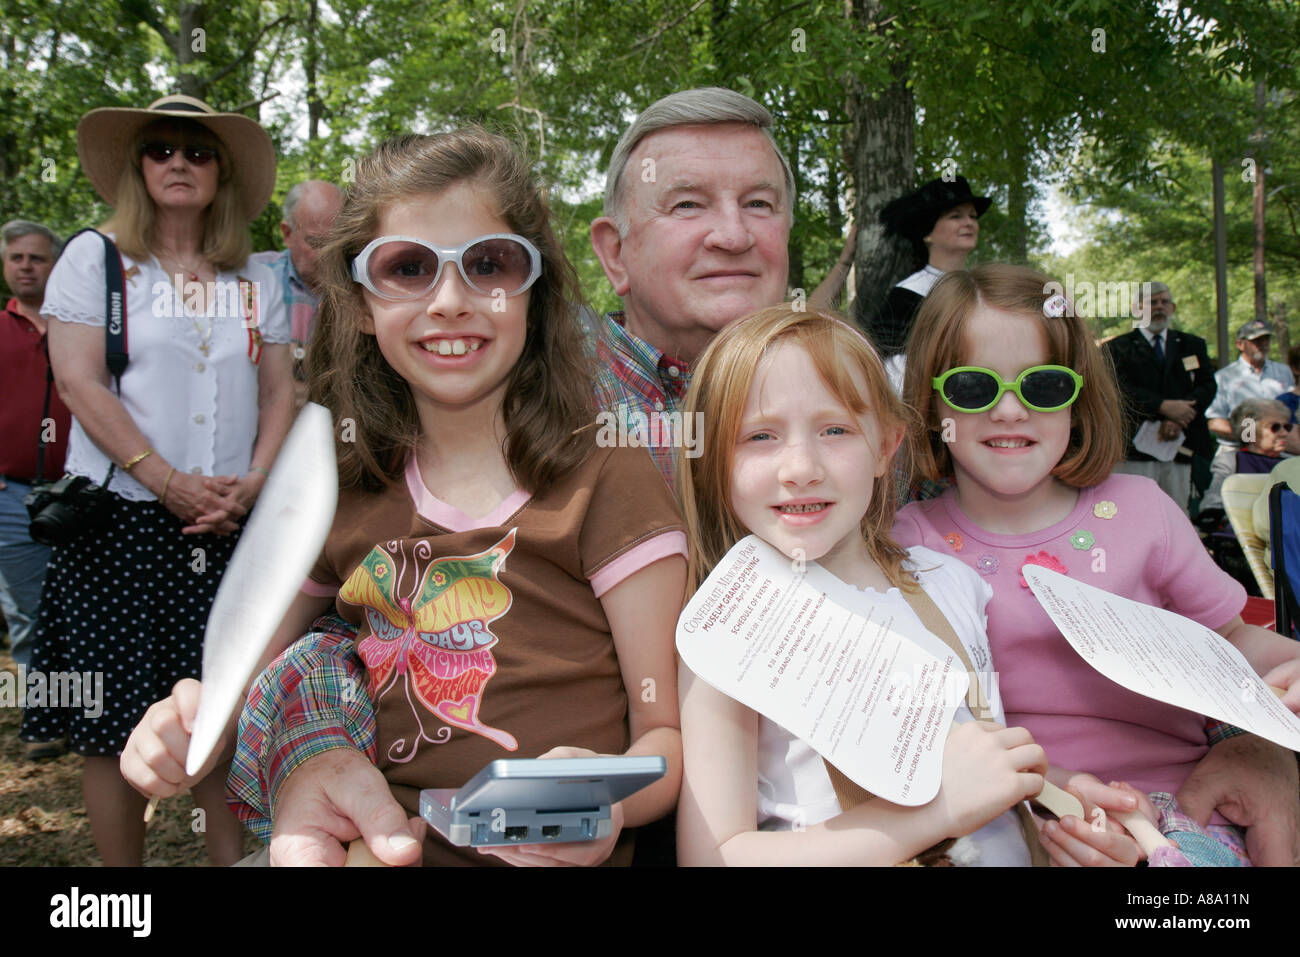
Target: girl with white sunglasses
x: 511, y: 587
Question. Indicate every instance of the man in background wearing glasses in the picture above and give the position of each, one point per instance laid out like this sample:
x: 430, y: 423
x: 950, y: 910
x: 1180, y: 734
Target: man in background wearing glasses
x: 309, y: 210
x: 1166, y: 378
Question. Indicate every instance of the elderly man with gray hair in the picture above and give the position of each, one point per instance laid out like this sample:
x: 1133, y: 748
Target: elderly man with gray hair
x: 1166, y: 379
x: 698, y: 206
x: 309, y: 210
x: 31, y: 414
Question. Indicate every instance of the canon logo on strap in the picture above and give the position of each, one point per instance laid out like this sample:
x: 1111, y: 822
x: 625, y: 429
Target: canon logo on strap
x: 115, y: 314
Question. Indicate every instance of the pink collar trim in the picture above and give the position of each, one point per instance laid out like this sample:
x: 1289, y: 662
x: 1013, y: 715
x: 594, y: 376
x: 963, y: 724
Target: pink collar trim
x: 434, y: 510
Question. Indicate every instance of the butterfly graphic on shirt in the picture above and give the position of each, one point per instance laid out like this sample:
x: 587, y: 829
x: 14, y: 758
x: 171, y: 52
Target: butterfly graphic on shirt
x: 434, y: 640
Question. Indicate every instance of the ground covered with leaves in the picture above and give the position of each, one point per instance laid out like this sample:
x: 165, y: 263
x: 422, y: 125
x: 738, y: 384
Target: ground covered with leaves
x: 43, y: 818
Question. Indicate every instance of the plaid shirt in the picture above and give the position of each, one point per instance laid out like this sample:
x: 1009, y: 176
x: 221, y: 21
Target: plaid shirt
x: 1219, y: 845
x: 310, y: 700
x: 643, y: 390
x: 300, y: 303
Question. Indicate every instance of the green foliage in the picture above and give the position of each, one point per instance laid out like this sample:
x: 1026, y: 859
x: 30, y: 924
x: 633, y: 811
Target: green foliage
x: 1118, y: 103
x: 54, y: 60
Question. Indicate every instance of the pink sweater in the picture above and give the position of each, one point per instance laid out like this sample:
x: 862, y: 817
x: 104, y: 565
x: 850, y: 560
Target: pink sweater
x: 1124, y: 535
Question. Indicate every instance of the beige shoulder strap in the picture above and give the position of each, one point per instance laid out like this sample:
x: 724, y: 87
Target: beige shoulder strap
x: 851, y: 795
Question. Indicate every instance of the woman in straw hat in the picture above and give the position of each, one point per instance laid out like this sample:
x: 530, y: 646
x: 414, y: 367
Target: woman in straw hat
x: 185, y: 440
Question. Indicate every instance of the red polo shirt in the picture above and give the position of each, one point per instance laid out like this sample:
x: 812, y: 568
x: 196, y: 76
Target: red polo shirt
x: 22, y: 357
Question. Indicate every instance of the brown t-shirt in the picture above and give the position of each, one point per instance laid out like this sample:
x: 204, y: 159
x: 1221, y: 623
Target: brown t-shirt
x: 485, y: 638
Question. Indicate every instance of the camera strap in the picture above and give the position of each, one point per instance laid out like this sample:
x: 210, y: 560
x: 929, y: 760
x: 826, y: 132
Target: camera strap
x: 115, y: 352
x: 45, y: 414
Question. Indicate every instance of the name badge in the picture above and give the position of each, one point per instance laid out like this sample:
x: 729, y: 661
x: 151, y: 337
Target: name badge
x: 1191, y: 363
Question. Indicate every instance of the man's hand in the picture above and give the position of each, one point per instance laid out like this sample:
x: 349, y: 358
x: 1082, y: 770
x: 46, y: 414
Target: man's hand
x: 1253, y: 783
x: 332, y: 799
x: 1178, y: 411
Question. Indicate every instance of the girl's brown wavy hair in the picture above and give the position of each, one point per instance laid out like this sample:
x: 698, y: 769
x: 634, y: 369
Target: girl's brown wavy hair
x: 548, y: 396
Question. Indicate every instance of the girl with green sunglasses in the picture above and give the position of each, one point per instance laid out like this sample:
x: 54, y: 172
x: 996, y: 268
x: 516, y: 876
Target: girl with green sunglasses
x: 1022, y: 412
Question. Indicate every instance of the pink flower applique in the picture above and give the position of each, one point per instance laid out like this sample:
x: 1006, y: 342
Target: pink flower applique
x: 987, y: 564
x: 954, y: 540
x: 1043, y: 559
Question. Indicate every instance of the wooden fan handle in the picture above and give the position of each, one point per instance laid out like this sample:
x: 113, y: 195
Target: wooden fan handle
x: 359, y: 855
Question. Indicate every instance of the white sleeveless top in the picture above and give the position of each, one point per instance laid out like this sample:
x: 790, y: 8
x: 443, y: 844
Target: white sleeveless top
x: 793, y: 786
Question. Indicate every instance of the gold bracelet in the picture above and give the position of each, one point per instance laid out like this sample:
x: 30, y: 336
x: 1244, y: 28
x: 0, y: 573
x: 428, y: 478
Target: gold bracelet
x: 135, y: 460
x: 162, y: 499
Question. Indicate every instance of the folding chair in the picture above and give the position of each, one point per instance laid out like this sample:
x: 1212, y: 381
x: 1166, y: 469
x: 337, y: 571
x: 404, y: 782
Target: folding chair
x: 1239, y: 494
x: 1284, y: 537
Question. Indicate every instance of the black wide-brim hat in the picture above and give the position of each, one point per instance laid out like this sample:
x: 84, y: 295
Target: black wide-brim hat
x: 915, y: 214
x: 105, y: 137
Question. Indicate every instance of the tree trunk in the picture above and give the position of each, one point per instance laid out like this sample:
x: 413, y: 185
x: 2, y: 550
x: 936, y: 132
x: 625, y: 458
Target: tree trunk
x: 843, y: 299
x: 1018, y: 201
x: 796, y: 274
x: 194, y: 16
x: 719, y: 11
x: 1281, y: 334
x: 1220, y: 265
x: 10, y: 161
x: 882, y: 161
x: 834, y: 215
x: 1261, y: 296
x: 315, y: 108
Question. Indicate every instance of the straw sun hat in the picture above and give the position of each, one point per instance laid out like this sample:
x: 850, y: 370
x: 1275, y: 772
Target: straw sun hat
x: 105, y: 138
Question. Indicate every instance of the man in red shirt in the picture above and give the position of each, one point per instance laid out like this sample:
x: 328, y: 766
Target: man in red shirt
x: 28, y: 250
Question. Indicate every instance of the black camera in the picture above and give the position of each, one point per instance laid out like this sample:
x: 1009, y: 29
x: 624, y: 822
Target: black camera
x: 64, y: 509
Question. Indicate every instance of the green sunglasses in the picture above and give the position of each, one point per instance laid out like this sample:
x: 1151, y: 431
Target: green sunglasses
x: 1040, y: 388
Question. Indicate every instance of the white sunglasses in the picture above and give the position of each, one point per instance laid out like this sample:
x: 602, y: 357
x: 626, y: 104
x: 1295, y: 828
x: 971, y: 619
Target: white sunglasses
x: 401, y: 268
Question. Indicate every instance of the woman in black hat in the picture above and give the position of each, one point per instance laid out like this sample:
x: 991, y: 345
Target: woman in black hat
x: 941, y: 219
x: 182, y: 442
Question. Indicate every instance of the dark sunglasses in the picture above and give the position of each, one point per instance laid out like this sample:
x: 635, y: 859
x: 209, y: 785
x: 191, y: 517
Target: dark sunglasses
x: 194, y: 155
x: 1276, y: 427
x: 1041, y: 388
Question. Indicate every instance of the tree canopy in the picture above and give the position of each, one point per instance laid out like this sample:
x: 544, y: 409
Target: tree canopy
x: 1118, y: 107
